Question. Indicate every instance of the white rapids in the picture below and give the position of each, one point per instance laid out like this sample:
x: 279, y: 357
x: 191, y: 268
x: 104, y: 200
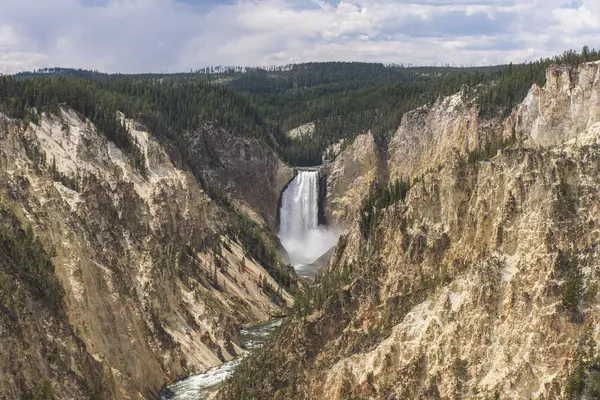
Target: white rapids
x: 199, y: 386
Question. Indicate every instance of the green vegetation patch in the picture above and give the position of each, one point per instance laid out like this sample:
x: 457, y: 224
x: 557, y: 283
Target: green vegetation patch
x: 23, y: 256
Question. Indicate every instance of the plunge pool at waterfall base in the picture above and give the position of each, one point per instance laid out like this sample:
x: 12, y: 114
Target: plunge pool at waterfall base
x: 200, y: 386
x: 307, y: 271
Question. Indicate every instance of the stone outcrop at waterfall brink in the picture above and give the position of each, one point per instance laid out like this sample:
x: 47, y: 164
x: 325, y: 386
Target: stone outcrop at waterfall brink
x: 113, y: 282
x: 482, y: 283
x: 349, y: 178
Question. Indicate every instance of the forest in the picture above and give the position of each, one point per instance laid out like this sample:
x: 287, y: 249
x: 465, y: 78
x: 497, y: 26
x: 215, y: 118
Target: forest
x: 342, y: 99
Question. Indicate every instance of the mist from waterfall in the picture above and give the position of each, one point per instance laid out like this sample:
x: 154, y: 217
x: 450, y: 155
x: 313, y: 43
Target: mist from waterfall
x: 299, y: 229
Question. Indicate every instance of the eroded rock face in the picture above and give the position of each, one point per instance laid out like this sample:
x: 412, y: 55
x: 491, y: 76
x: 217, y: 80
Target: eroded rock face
x: 426, y: 139
x: 430, y: 136
x: 564, y: 108
x: 152, y: 292
x: 349, y: 178
x: 463, y: 289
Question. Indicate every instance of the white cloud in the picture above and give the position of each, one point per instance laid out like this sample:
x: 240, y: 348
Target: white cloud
x: 178, y: 35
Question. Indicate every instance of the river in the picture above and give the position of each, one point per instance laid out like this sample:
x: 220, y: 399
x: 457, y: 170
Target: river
x: 199, y: 386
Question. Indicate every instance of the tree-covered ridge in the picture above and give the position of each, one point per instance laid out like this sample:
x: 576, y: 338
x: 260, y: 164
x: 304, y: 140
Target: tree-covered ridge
x: 97, y: 76
x: 312, y: 75
x: 27, y: 99
x: 171, y: 108
x: 168, y: 110
x: 343, y: 99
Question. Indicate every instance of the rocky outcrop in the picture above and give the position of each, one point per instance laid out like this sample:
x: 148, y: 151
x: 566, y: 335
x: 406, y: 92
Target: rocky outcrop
x: 243, y: 168
x: 431, y: 135
x: 564, y: 108
x: 426, y: 139
x: 153, y: 289
x: 349, y: 178
x: 560, y: 111
x: 303, y: 130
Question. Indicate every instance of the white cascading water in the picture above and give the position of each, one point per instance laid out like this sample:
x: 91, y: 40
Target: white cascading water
x: 299, y: 229
x: 300, y: 205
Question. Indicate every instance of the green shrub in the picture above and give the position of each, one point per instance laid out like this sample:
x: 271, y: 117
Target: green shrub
x: 490, y: 149
x: 569, y: 271
x: 380, y: 197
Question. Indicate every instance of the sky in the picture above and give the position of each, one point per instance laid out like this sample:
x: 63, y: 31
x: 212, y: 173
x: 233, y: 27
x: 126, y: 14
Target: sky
x: 182, y: 35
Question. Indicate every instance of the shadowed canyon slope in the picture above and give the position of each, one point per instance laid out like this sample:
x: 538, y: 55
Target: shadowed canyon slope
x: 482, y: 283
x: 243, y: 168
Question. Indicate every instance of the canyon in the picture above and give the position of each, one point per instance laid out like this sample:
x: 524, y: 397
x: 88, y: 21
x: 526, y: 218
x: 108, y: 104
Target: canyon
x: 481, y: 283
x: 480, y: 280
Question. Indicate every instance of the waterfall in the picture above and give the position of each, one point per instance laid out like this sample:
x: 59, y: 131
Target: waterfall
x: 299, y: 229
x: 300, y: 205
